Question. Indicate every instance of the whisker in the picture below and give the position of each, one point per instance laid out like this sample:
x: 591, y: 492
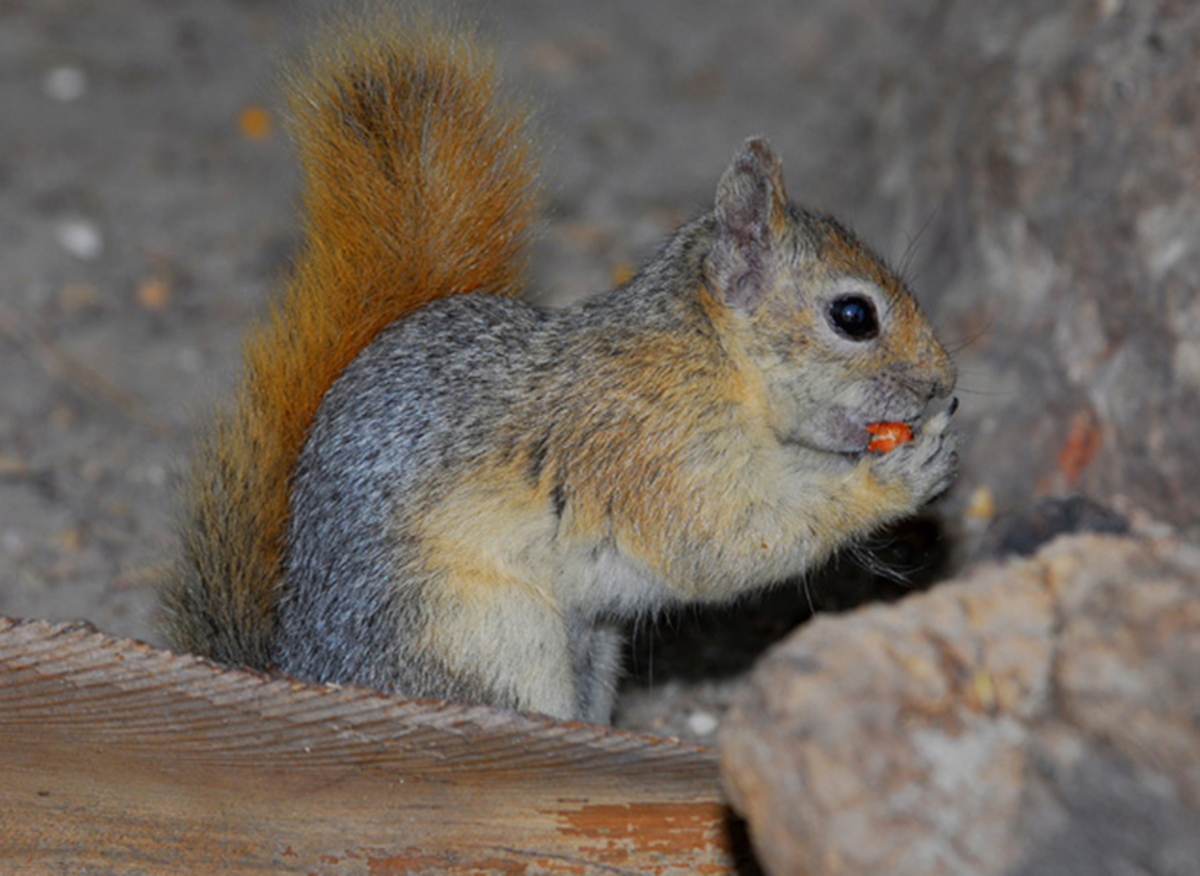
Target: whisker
x: 864, y: 555
x: 973, y: 338
x: 910, y: 250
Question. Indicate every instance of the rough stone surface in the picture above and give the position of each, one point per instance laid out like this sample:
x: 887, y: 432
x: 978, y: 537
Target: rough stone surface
x: 1034, y: 717
x: 1050, y: 150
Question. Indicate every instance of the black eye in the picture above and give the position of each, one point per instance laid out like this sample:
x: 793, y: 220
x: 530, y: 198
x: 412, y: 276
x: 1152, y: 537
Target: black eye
x: 854, y: 317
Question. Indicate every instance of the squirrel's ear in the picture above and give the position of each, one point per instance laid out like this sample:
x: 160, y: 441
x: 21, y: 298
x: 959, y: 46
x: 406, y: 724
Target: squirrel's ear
x: 751, y: 213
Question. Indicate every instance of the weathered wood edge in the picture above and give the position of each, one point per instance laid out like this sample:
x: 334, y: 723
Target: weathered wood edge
x: 108, y: 739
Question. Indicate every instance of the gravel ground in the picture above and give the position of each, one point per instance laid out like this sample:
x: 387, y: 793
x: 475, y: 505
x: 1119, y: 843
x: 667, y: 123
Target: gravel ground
x: 147, y: 195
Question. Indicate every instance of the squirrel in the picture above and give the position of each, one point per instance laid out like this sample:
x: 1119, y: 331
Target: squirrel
x: 428, y: 486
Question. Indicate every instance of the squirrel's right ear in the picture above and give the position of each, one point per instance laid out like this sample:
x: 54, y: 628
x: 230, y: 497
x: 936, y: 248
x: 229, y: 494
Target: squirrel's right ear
x: 751, y: 213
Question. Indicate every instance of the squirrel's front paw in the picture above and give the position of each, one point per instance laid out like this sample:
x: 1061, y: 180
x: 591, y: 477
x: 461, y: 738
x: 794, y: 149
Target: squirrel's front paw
x: 926, y: 466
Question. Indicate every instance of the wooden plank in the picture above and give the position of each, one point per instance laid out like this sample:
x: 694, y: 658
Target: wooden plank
x: 121, y: 758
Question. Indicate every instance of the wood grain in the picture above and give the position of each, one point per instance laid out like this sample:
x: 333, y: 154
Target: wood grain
x: 121, y: 758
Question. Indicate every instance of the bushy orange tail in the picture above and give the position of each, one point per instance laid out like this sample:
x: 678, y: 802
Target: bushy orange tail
x: 419, y: 185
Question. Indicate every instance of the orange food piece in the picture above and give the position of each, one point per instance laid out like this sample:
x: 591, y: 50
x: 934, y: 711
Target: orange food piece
x: 886, y: 437
x: 255, y: 123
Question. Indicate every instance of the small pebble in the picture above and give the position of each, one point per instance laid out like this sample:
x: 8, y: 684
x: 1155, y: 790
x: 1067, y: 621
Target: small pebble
x: 153, y: 294
x: 65, y: 84
x: 702, y: 723
x: 255, y: 123
x: 81, y: 238
x: 981, y: 505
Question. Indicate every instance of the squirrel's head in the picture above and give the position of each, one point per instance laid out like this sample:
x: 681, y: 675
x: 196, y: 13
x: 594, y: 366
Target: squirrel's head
x: 838, y: 336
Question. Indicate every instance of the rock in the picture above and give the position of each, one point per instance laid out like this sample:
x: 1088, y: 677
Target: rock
x: 1048, y: 155
x: 1034, y: 717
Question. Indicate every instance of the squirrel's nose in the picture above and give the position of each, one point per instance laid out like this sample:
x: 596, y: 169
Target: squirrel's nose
x: 945, y: 376
x: 942, y: 384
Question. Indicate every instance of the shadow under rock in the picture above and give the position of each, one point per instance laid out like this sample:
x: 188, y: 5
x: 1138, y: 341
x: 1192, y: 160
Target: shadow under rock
x: 716, y: 642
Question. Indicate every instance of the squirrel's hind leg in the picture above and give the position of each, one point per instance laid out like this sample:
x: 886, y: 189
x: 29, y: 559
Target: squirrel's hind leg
x: 596, y: 650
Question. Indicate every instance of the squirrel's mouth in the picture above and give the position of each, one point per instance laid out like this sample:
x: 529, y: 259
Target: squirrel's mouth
x: 850, y: 433
x: 842, y: 430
